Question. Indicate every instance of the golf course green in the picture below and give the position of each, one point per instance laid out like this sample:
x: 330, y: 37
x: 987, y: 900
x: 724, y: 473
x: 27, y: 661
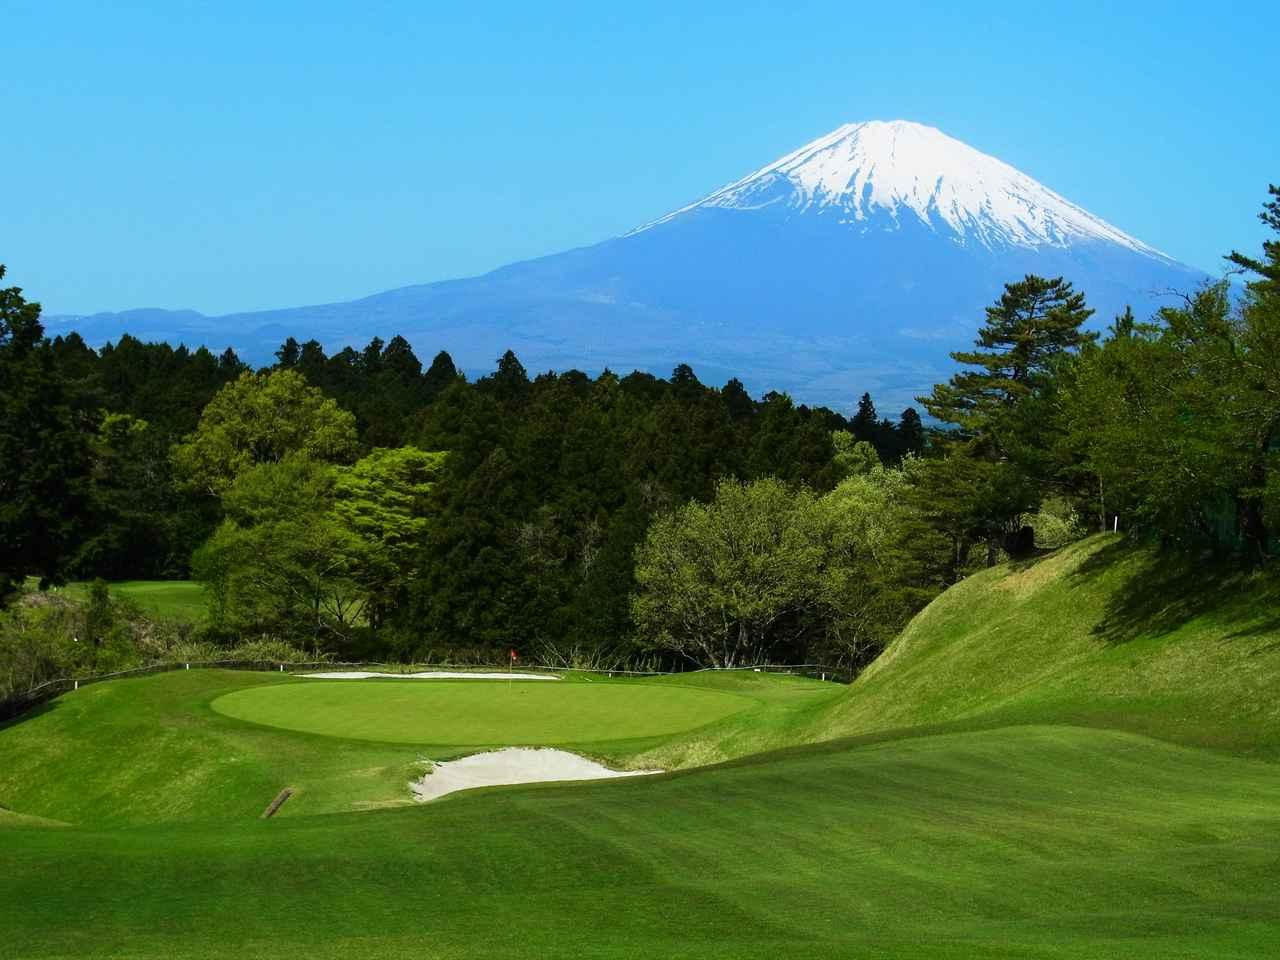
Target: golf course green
x: 480, y: 712
x: 1074, y: 758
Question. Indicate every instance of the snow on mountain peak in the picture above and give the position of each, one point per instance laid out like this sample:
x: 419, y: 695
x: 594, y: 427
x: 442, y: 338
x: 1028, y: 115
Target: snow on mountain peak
x: 862, y: 170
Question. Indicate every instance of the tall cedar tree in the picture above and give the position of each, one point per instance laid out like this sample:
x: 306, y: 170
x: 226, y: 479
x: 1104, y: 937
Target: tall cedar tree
x: 44, y: 451
x: 865, y: 423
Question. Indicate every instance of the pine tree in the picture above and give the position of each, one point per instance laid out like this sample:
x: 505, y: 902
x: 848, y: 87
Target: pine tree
x: 1033, y: 324
x: 1268, y: 268
x: 865, y: 423
x: 1001, y: 408
x: 1035, y: 321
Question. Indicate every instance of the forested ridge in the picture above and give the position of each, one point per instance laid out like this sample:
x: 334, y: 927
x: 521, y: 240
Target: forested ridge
x: 368, y: 505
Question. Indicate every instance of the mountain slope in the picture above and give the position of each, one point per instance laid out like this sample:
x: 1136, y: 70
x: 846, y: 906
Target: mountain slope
x: 854, y: 263
x: 863, y: 170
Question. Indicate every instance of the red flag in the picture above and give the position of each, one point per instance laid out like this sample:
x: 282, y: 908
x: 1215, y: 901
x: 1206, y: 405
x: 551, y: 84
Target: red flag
x: 514, y: 658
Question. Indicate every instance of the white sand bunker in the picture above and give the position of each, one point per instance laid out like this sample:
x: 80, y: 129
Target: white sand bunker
x: 426, y: 675
x: 511, y: 766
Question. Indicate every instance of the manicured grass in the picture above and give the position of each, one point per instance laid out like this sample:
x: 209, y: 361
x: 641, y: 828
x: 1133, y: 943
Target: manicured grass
x: 1068, y: 759
x: 151, y: 749
x: 480, y: 712
x: 1023, y: 842
x: 173, y: 599
x: 1100, y: 634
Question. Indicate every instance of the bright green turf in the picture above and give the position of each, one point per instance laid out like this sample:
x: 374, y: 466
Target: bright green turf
x: 1022, y: 842
x: 480, y: 712
x: 173, y: 599
x: 1100, y: 634
x: 152, y: 748
x: 994, y: 796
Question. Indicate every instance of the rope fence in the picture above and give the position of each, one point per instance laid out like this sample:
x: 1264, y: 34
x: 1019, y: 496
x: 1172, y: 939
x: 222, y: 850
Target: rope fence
x: 17, y: 704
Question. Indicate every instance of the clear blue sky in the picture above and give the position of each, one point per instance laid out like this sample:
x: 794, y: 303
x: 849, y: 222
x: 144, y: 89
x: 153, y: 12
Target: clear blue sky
x: 228, y: 156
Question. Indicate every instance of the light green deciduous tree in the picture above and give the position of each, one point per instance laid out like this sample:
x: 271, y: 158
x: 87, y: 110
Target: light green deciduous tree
x: 263, y: 418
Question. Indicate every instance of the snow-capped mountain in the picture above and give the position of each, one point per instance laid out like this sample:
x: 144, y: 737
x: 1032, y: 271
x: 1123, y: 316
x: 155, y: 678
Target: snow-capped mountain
x: 862, y: 171
x: 856, y: 262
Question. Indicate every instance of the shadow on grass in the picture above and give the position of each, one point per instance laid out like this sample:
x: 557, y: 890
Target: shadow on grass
x: 1162, y: 590
x: 29, y: 714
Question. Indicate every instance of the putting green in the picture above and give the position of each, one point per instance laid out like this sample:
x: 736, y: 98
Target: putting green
x: 478, y: 712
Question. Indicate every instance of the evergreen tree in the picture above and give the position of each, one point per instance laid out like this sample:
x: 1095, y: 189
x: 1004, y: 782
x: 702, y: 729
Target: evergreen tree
x: 371, y: 357
x: 1035, y: 321
x: 1001, y: 410
x: 399, y: 359
x: 288, y: 355
x: 865, y: 423
x: 736, y: 400
x: 1266, y: 270
x: 911, y: 432
x: 44, y: 452
x: 440, y: 375
x: 509, y: 383
x: 229, y: 365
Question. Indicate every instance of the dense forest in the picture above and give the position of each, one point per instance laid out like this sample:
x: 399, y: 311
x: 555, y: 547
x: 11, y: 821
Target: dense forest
x: 364, y: 506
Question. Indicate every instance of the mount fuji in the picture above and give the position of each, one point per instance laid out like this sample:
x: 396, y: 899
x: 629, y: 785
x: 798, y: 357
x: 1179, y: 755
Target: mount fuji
x: 854, y: 263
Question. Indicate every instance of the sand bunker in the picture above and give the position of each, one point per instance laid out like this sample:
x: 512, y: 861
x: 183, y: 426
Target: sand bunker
x: 426, y: 675
x: 511, y: 766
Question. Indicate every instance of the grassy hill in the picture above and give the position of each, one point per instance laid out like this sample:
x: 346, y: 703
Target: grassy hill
x: 1067, y: 759
x: 1100, y: 634
x: 183, y: 600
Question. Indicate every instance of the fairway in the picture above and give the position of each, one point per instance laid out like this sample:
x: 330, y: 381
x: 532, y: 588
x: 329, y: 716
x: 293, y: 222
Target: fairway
x: 1039, y: 842
x: 479, y: 712
x: 175, y: 599
x: 1008, y: 802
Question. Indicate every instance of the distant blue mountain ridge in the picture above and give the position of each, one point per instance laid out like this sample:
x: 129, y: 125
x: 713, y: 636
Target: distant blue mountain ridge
x: 856, y: 263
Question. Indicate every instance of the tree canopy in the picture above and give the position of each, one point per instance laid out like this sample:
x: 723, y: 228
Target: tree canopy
x: 44, y: 451
x: 262, y: 418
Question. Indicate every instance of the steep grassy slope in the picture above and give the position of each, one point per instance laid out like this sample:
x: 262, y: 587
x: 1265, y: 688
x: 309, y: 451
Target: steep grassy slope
x: 1099, y: 634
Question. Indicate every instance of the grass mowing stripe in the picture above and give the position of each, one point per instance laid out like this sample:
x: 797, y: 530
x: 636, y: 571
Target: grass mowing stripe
x: 1041, y: 842
x: 939, y: 829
